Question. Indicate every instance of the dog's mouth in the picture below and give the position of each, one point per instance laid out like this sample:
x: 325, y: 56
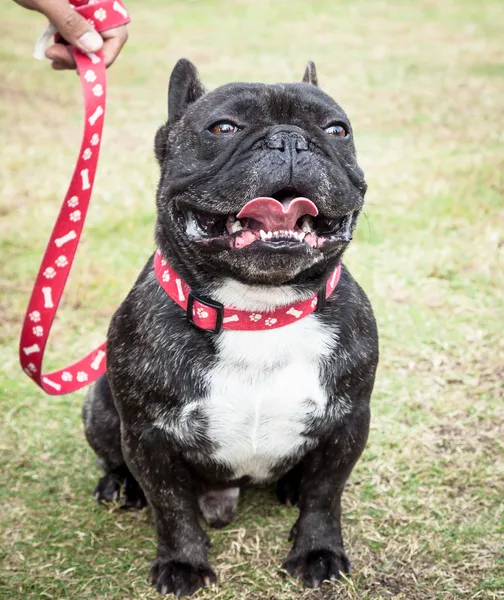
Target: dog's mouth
x: 285, y: 220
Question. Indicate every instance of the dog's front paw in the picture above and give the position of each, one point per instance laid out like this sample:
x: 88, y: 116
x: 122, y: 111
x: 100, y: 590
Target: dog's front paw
x: 317, y: 566
x: 180, y: 578
x: 132, y: 496
x: 108, y: 489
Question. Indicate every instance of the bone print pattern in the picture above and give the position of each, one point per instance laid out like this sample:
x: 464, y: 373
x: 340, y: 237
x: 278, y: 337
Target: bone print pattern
x: 98, y: 360
x: 48, y: 300
x: 295, y: 313
x: 205, y: 317
x: 56, y: 265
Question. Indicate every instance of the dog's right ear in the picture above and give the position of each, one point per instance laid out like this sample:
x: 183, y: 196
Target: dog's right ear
x: 184, y: 89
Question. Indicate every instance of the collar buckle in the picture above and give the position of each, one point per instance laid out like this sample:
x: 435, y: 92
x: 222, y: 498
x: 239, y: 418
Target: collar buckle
x: 209, y: 303
x: 321, y: 299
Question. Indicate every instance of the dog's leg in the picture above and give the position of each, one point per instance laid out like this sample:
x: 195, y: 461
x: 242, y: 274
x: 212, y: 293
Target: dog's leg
x: 317, y: 553
x: 287, y: 487
x: 102, y: 429
x: 181, y: 566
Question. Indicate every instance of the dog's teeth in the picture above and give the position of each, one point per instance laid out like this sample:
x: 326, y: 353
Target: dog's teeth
x: 306, y: 225
x: 295, y: 234
x: 263, y: 234
x: 276, y: 233
x: 301, y: 236
x: 236, y: 226
x: 270, y: 234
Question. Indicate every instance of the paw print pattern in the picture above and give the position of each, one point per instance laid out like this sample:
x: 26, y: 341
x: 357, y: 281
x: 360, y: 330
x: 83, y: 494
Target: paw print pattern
x: 95, y: 140
x: 38, y: 331
x: 90, y: 76
x: 100, y: 14
x: 163, y: 262
x: 34, y: 316
x: 87, y: 154
x: 98, y: 90
x: 82, y: 376
x: 73, y: 202
x: 61, y: 261
x: 166, y: 275
x: 201, y: 312
x: 75, y: 216
x: 49, y: 273
x: 314, y: 302
x: 66, y: 376
x: 31, y: 367
x: 254, y: 317
x: 270, y: 321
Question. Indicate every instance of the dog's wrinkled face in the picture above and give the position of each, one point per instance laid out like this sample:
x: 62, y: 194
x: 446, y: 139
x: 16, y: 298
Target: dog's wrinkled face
x: 259, y: 182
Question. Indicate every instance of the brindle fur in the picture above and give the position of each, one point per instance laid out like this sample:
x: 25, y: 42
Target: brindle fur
x: 157, y: 360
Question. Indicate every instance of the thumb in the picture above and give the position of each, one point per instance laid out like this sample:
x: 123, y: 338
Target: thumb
x: 72, y: 27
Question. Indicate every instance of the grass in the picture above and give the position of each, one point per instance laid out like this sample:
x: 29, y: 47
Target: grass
x: 423, y: 83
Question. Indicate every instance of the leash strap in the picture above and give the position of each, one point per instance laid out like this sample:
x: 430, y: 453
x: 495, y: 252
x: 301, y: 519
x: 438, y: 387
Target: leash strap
x: 60, y: 251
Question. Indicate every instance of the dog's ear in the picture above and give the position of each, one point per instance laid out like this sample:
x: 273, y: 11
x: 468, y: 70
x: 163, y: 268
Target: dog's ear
x: 310, y: 74
x: 184, y: 89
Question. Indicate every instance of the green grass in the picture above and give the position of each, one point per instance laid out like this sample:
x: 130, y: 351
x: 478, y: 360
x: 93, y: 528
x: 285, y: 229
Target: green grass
x: 423, y: 83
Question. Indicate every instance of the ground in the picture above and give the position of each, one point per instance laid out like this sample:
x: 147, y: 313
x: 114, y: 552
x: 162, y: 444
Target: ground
x: 423, y: 83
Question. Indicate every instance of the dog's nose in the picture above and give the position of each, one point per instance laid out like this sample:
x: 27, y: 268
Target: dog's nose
x: 291, y: 142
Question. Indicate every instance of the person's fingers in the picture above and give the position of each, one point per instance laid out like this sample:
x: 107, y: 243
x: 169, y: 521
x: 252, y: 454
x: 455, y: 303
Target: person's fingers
x: 73, y: 28
x: 60, y: 54
x: 78, y: 32
x: 58, y: 66
x: 114, y: 41
x: 29, y: 4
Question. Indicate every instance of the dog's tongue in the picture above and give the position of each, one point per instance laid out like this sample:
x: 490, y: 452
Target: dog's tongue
x: 274, y: 216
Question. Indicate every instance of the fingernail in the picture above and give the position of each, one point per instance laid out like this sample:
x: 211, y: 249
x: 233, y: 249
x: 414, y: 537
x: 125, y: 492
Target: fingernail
x: 91, y: 41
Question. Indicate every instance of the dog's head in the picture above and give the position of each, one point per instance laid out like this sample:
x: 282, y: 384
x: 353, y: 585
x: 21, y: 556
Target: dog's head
x: 258, y: 182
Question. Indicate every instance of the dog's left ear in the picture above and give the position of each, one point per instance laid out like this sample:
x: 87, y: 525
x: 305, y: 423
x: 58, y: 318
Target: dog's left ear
x: 310, y: 74
x: 184, y: 89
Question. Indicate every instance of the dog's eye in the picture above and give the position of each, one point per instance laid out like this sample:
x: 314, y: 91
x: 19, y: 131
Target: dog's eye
x: 338, y: 129
x: 224, y: 128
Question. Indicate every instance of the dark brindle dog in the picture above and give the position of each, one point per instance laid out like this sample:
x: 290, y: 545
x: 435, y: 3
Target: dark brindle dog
x: 259, y: 195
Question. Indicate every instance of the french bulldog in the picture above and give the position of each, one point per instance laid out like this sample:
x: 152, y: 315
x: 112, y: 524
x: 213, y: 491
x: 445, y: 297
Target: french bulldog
x: 259, y: 195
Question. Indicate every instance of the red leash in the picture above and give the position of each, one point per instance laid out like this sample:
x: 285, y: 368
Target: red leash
x: 64, y: 240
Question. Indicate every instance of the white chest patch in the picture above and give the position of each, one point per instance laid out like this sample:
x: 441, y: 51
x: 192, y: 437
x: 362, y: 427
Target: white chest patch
x: 262, y: 392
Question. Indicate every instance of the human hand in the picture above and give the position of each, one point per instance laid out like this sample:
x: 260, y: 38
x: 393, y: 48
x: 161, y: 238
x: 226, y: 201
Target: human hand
x: 77, y: 32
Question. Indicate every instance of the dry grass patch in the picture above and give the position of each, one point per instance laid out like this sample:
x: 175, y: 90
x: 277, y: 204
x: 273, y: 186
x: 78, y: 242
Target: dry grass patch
x: 423, y: 85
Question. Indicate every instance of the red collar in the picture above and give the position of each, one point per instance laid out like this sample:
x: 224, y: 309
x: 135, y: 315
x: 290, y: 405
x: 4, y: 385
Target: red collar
x: 209, y: 315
